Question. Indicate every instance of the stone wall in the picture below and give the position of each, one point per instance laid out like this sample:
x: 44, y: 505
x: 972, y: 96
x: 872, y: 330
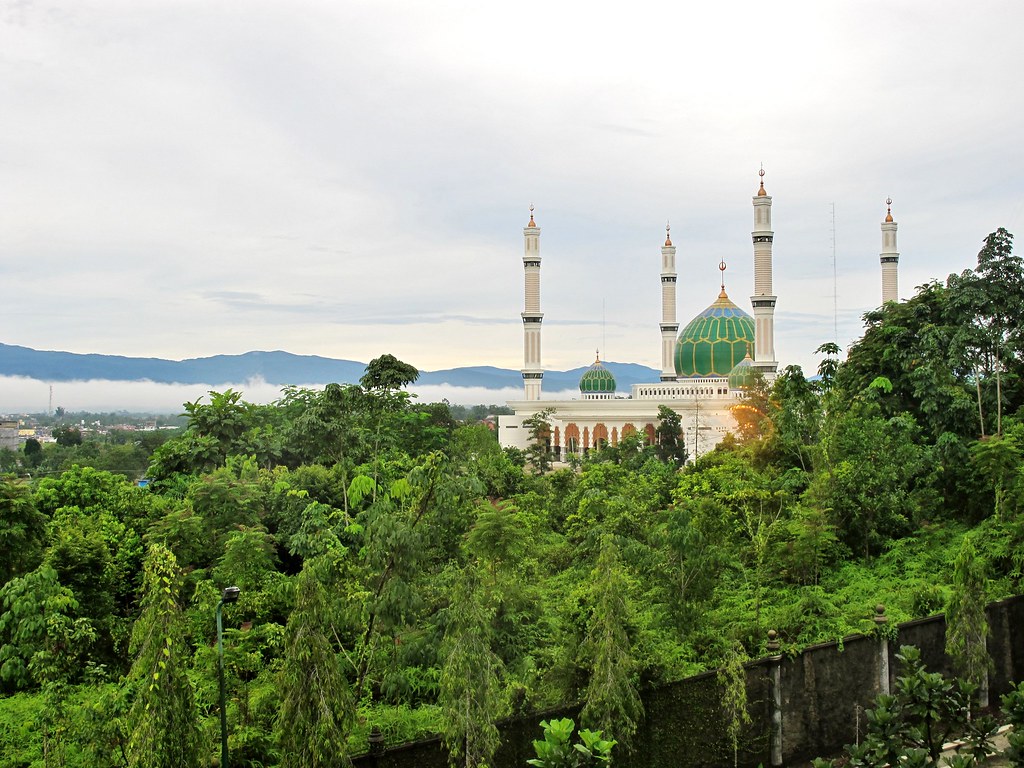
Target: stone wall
x: 822, y: 696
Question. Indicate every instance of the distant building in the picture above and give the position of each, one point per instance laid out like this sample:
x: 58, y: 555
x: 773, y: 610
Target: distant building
x: 9, y: 438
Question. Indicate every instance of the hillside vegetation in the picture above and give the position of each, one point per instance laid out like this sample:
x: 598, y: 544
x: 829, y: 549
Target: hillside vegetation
x: 399, y: 571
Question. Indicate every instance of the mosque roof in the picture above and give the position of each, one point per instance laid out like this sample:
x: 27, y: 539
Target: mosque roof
x: 597, y: 379
x: 743, y: 373
x: 715, y: 340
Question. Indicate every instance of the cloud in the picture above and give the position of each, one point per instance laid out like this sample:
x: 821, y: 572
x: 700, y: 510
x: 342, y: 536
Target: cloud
x: 195, y: 180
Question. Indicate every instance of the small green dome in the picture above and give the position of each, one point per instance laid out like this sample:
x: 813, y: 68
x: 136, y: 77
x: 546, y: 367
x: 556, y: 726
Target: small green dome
x: 743, y: 374
x: 715, y: 340
x: 597, y: 380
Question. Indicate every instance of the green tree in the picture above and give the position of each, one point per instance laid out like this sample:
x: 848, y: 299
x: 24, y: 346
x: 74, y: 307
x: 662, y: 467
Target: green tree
x: 22, y: 530
x: 966, y: 623
x: 67, y: 436
x: 470, y: 695
x: 671, y: 447
x: 42, y: 640
x: 733, y: 679
x: 997, y: 459
x: 538, y: 451
x: 611, y: 701
x: 162, y: 722
x: 1000, y: 311
x: 317, y: 711
x: 388, y: 372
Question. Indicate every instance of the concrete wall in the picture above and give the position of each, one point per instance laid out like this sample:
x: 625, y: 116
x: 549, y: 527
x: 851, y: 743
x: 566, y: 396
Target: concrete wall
x: 824, y: 692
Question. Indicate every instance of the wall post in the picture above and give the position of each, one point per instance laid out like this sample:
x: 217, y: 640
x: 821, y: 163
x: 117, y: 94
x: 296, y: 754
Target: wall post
x: 883, y: 649
x: 775, y: 669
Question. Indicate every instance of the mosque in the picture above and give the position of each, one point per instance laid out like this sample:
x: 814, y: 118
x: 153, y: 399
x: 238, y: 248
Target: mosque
x: 705, y: 370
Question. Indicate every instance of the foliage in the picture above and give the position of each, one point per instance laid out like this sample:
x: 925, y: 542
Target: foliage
x: 733, y: 679
x: 669, y: 442
x: 538, y: 452
x: 611, y: 699
x: 966, y: 623
x: 162, y: 724
x: 556, y: 749
x: 317, y: 711
x: 22, y: 530
x: 910, y: 726
x: 470, y: 695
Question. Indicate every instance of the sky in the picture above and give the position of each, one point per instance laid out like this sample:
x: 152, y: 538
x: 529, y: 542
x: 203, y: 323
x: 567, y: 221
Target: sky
x: 348, y: 179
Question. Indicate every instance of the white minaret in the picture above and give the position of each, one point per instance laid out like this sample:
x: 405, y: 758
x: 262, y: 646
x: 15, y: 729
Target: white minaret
x: 533, y: 374
x: 890, y: 257
x: 763, y: 300
x: 669, y: 326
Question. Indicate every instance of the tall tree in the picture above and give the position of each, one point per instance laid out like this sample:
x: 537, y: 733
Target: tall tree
x: 470, y: 687
x: 317, y: 711
x: 671, y: 446
x: 966, y: 623
x: 163, y: 722
x: 612, y: 703
x: 1001, y: 308
x: 538, y: 452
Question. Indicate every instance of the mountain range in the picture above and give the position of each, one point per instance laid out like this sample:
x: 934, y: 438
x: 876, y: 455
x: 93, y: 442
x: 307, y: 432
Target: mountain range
x: 277, y: 368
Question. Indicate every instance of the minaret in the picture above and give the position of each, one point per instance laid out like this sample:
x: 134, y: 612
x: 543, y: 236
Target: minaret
x: 669, y: 326
x: 763, y: 300
x: 533, y: 374
x: 890, y: 257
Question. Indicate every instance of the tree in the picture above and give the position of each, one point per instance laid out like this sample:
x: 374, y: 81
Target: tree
x: 41, y: 640
x: 998, y: 459
x: 470, y: 692
x: 162, y: 722
x: 966, y: 623
x: 388, y: 372
x: 671, y: 447
x: 795, y: 411
x: 317, y: 711
x: 611, y: 699
x: 1001, y: 311
x: 67, y: 436
x: 22, y: 530
x: 733, y: 679
x: 33, y: 452
x: 538, y: 453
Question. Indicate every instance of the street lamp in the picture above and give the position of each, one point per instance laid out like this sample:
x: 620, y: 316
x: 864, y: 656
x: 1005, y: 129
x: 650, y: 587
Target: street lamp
x: 229, y: 595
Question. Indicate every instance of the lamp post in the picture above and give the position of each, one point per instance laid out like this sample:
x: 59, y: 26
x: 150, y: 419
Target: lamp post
x: 229, y: 595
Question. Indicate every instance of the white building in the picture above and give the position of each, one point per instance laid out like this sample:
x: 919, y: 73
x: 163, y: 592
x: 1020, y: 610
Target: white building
x: 705, y: 369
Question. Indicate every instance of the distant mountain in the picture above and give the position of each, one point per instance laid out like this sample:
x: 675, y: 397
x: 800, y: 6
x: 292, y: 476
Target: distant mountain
x: 277, y: 368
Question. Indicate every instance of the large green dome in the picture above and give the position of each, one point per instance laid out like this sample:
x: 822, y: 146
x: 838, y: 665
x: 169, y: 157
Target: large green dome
x: 597, y: 380
x: 715, y: 340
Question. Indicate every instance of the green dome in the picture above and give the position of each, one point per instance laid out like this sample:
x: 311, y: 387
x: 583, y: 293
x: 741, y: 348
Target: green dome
x: 742, y: 376
x: 597, y: 380
x: 715, y: 340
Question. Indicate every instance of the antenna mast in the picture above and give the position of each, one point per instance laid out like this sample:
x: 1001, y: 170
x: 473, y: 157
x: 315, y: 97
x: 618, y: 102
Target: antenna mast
x: 835, y: 282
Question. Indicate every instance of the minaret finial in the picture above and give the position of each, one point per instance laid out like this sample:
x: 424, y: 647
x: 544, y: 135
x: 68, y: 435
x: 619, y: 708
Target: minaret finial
x: 888, y: 209
x: 761, y: 192
x: 597, y: 355
x: 531, y: 224
x: 721, y: 268
x: 668, y: 234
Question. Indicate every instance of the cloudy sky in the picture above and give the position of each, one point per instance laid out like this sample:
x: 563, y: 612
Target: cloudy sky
x: 182, y: 179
